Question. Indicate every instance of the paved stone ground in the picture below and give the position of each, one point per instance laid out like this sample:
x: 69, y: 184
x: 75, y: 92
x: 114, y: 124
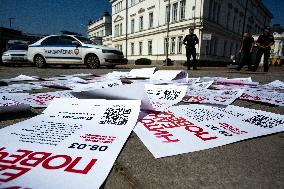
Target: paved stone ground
x: 254, y: 163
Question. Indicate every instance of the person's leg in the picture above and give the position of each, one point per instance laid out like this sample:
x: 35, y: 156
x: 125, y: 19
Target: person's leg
x: 188, y: 62
x: 249, y: 58
x: 257, y: 59
x: 188, y: 55
x: 241, y: 63
x: 265, y: 63
x: 194, y: 59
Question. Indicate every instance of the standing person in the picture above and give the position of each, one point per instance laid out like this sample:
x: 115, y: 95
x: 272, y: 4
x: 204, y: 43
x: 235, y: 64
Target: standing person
x: 246, y: 50
x: 190, y: 41
x: 264, y: 42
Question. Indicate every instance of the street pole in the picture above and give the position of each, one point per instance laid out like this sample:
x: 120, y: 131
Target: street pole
x: 126, y: 30
x: 10, y: 19
x: 168, y: 28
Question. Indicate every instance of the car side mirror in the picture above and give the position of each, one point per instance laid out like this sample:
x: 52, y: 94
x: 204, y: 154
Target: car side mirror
x: 76, y: 43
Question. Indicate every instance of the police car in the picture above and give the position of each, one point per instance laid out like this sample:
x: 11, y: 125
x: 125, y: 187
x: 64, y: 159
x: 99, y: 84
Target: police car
x: 69, y: 49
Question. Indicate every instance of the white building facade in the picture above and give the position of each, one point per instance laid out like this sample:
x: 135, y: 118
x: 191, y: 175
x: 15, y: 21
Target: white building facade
x: 139, y: 27
x: 100, y: 31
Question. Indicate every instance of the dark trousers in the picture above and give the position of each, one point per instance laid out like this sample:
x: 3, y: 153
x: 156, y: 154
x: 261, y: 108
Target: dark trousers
x: 246, y: 59
x: 191, y: 52
x: 259, y: 54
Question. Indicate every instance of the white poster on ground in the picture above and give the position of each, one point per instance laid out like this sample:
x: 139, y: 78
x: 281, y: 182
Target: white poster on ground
x: 207, y: 96
x: 142, y: 72
x: 10, y: 103
x: 22, y: 78
x: 270, y: 96
x: 153, y: 97
x: 41, y: 100
x: 96, y: 85
x: 168, y: 75
x: 184, y: 129
x: 74, y: 144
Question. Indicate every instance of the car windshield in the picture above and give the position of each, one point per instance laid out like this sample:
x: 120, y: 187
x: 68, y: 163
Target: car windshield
x: 84, y: 40
x: 19, y: 47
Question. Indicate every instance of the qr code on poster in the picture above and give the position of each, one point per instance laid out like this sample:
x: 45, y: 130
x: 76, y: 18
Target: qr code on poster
x: 116, y: 115
x: 263, y: 121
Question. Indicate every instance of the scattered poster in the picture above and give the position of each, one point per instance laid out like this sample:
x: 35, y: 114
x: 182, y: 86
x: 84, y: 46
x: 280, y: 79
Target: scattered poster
x: 22, y: 78
x: 75, y: 140
x: 142, y: 72
x: 153, y: 97
x: 208, y: 96
x: 184, y: 129
x: 270, y: 96
x: 41, y: 100
x: 168, y: 75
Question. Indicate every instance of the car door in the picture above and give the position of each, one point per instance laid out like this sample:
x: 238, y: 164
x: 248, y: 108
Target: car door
x: 50, y: 49
x: 70, y: 51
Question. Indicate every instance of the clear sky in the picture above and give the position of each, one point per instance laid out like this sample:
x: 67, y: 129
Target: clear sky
x: 52, y: 16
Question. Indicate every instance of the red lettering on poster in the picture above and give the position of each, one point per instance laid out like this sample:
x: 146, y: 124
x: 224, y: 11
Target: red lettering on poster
x: 71, y: 168
x: 67, y: 161
x: 10, y: 172
x: 98, y: 138
x: 232, y: 129
x: 33, y: 159
x: 158, y: 123
x: 14, y: 165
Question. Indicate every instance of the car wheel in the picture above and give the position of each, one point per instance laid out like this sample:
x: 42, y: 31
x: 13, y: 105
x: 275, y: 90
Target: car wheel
x: 39, y: 61
x: 110, y: 66
x: 92, y: 61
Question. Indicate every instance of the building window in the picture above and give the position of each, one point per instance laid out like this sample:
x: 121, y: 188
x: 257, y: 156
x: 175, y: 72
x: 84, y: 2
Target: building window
x: 132, y: 26
x: 120, y: 29
x: 225, y: 48
x: 118, y: 7
x: 150, y: 47
x: 231, y: 48
x: 234, y: 21
x: 228, y: 19
x: 239, y: 28
x: 182, y: 10
x: 173, y: 45
x: 140, y: 23
x: 140, y: 48
x: 179, y: 50
x: 175, y: 12
x: 132, y: 2
x: 151, y: 17
x: 116, y: 30
x: 214, y: 11
x: 207, y: 48
x: 132, y: 48
x: 166, y: 45
x: 218, y: 13
x: 215, y: 47
x: 168, y: 14
x: 210, y: 10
